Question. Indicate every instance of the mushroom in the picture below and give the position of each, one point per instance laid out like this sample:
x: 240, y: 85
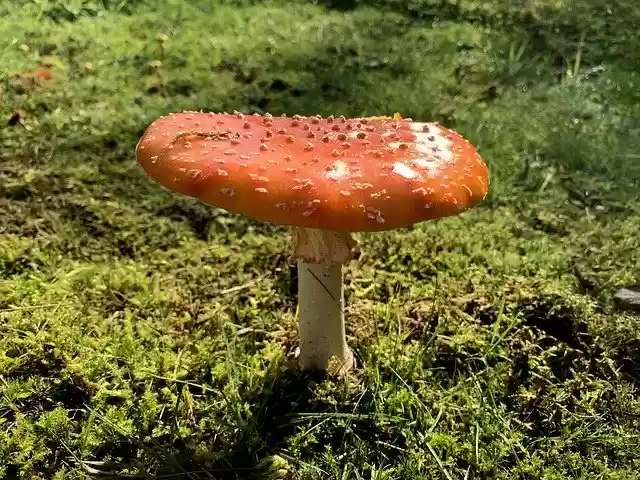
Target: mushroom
x: 323, y: 177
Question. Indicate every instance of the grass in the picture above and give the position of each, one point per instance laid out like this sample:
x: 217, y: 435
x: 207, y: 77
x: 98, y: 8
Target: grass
x: 143, y: 335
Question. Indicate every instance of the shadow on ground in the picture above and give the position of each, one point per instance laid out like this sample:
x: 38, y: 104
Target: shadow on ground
x: 280, y: 409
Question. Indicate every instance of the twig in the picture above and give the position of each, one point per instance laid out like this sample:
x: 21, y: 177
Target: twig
x: 244, y: 286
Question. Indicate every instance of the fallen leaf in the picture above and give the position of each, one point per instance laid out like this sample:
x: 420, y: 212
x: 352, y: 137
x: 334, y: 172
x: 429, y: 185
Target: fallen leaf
x: 42, y: 73
x: 30, y: 79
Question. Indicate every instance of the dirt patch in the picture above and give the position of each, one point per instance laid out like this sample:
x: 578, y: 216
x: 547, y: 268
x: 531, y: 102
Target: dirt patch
x: 557, y: 320
x: 481, y: 310
x: 422, y: 320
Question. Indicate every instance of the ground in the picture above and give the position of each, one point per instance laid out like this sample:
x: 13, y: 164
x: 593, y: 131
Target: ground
x: 145, y: 335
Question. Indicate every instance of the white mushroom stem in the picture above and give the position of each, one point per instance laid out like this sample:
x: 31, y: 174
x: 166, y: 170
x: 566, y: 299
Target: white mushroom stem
x: 320, y: 256
x: 322, y: 332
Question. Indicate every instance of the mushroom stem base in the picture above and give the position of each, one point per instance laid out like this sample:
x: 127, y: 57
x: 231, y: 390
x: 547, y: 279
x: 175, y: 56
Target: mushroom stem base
x: 322, y: 328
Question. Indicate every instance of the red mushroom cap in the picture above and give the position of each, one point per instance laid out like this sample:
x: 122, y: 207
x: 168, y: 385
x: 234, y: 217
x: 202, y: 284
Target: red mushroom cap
x: 360, y: 174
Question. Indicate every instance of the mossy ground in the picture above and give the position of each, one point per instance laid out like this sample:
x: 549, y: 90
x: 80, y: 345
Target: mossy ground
x: 145, y: 335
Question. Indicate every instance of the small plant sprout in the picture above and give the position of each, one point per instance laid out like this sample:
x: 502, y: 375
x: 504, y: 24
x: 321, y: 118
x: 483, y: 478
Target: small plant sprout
x: 323, y: 177
x: 161, y: 39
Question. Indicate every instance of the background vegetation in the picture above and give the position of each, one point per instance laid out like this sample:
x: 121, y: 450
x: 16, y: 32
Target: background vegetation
x: 145, y: 335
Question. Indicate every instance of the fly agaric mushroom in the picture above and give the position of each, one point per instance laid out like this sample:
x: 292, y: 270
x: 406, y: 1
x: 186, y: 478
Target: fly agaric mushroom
x: 325, y: 178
